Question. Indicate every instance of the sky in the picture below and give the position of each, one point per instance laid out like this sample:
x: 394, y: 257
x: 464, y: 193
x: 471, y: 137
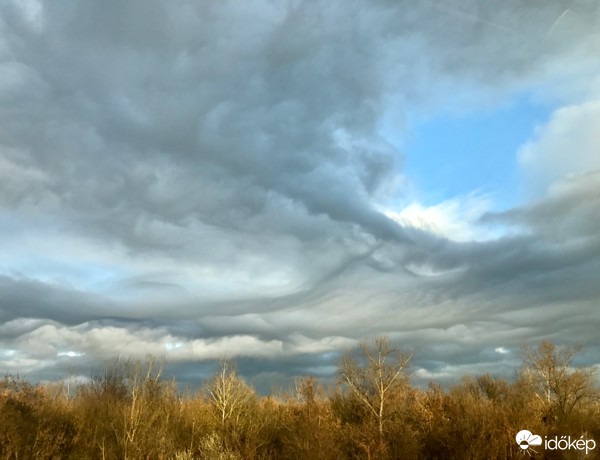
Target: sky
x: 277, y: 181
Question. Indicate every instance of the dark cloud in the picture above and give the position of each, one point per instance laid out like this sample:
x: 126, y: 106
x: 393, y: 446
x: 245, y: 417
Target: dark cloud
x: 27, y: 298
x: 208, y: 178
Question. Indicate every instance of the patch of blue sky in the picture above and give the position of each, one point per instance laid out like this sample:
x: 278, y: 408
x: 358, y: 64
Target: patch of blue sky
x: 45, y: 254
x: 458, y: 153
x: 79, y: 275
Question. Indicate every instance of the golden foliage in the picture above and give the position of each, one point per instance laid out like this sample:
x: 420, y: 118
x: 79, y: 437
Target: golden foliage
x: 129, y: 411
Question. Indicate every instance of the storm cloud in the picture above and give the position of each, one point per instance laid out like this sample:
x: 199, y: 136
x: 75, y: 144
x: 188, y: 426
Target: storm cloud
x: 193, y: 179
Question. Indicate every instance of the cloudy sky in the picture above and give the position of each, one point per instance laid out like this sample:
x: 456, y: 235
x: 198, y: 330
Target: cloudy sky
x: 278, y: 180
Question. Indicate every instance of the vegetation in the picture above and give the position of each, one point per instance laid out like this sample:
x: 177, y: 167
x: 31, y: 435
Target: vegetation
x: 130, y: 411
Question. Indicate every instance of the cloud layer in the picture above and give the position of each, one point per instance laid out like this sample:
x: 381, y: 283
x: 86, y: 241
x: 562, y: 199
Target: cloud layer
x: 194, y: 179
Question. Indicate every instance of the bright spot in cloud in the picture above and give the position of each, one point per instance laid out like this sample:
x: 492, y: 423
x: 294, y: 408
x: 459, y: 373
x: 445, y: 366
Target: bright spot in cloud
x: 70, y: 353
x: 455, y: 219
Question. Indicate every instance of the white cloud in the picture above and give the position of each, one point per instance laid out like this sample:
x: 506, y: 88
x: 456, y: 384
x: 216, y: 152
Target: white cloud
x: 566, y: 145
x: 70, y: 353
x: 41, y: 346
x: 454, y: 219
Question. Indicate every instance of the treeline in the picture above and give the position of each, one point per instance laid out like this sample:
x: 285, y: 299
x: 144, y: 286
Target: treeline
x: 129, y: 411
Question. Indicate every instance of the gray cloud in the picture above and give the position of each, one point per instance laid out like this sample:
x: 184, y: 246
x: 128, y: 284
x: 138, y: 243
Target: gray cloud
x: 206, y: 178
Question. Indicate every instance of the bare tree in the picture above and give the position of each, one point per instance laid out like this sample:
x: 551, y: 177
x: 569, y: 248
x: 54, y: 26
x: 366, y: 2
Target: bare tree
x: 139, y: 393
x: 558, y: 386
x: 234, y: 403
x: 374, y: 376
x: 144, y: 381
x: 229, y: 394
